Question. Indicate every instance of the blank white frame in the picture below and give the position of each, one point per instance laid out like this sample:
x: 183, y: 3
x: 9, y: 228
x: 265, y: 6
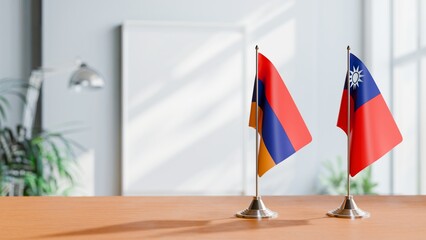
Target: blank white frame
x: 141, y: 26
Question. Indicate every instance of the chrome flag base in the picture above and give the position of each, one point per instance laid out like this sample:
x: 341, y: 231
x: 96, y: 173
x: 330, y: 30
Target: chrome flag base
x: 349, y: 209
x: 257, y: 209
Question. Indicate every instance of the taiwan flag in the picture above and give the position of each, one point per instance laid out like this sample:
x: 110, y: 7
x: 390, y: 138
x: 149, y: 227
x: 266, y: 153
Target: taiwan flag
x: 373, y: 129
x: 281, y: 127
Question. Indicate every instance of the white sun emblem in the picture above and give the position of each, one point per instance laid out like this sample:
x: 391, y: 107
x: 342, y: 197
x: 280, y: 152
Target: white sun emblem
x: 355, y: 77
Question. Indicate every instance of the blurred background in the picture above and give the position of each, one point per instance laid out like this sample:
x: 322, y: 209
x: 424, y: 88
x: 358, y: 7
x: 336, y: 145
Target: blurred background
x: 171, y: 117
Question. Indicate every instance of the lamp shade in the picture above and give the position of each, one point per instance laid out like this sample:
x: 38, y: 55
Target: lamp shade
x: 86, y: 77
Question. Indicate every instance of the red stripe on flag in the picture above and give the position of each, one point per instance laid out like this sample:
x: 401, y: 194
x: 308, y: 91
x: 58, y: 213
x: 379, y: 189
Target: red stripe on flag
x: 374, y: 134
x: 282, y: 103
x: 342, y: 120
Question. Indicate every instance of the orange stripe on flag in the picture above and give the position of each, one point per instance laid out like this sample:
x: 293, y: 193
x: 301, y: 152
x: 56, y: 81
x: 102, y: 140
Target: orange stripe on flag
x: 265, y: 159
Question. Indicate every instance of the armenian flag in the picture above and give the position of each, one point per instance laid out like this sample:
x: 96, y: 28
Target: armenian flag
x: 281, y: 127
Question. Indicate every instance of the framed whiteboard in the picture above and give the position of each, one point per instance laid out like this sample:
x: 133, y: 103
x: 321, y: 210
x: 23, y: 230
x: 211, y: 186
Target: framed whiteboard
x: 183, y: 109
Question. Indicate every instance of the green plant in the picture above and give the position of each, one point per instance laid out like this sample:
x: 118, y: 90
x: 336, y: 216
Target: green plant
x: 334, y: 180
x: 39, y: 165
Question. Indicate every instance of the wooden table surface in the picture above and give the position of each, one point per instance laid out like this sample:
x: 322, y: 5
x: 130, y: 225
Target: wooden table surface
x: 301, y: 217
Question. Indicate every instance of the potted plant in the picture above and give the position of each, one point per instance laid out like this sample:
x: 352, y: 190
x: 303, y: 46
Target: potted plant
x: 334, y: 180
x: 32, y: 166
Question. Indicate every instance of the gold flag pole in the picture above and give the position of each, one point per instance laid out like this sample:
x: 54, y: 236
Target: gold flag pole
x: 257, y: 208
x: 348, y: 209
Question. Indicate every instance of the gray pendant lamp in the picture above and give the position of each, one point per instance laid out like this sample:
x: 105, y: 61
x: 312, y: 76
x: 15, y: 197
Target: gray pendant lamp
x: 86, y: 77
x: 82, y: 77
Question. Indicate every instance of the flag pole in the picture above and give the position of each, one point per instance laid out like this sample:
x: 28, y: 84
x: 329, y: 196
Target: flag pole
x: 257, y: 121
x: 257, y: 208
x: 348, y: 84
x: 348, y: 209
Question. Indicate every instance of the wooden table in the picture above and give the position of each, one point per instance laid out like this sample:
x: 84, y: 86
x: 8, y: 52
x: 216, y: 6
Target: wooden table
x: 301, y: 217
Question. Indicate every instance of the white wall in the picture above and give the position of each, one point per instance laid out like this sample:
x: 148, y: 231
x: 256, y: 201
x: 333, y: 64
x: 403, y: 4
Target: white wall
x: 394, y: 45
x: 15, y: 47
x: 305, y: 39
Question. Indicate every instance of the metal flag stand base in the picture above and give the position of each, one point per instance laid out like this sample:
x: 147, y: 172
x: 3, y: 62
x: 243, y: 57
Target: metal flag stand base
x: 257, y: 209
x: 349, y: 209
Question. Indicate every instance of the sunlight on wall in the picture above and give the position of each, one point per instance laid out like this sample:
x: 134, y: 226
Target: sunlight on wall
x: 265, y: 13
x: 186, y: 131
x: 205, y: 52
